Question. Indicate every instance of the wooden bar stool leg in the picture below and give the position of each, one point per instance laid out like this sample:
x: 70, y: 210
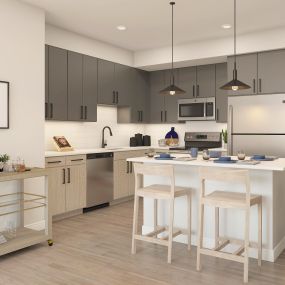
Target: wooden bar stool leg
x: 217, y: 226
x: 259, y: 234
x: 170, y: 231
x: 200, y: 235
x: 155, y: 215
x: 189, y: 210
x: 135, y: 223
x: 246, y: 244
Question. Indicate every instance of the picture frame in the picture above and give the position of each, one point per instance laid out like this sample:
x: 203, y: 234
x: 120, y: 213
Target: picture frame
x: 62, y: 143
x: 4, y: 104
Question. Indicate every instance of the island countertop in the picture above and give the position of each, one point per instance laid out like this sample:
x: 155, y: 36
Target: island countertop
x: 275, y: 165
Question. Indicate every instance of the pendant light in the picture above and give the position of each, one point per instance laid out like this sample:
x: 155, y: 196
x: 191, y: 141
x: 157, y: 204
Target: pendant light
x: 172, y: 89
x: 235, y: 84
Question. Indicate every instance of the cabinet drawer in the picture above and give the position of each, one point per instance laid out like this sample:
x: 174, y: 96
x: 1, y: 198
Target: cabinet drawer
x: 128, y: 154
x: 75, y: 159
x: 55, y: 161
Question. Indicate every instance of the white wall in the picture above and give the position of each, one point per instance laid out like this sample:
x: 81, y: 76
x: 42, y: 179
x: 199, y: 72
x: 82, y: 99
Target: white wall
x: 210, y: 51
x: 22, y: 64
x: 89, y: 135
x: 75, y: 42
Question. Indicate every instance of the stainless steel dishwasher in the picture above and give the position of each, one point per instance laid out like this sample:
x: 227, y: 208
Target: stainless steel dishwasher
x: 100, y: 180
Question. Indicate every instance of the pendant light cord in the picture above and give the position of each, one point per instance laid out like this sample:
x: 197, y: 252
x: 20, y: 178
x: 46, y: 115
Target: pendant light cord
x: 172, y: 76
x: 235, y: 40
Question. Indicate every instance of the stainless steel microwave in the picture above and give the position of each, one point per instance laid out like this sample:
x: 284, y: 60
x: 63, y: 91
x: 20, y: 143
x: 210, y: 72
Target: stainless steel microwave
x: 198, y: 109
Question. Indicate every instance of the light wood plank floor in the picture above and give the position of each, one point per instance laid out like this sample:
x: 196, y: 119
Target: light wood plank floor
x: 94, y: 248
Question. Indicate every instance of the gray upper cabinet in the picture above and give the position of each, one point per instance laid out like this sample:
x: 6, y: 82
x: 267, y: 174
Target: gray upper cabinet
x: 46, y: 82
x: 271, y: 70
x: 57, y: 84
x: 246, y: 72
x: 124, y: 84
x: 205, y: 81
x: 157, y: 83
x: 106, y: 82
x: 75, y: 86
x: 90, y: 88
x: 186, y: 80
x: 221, y: 95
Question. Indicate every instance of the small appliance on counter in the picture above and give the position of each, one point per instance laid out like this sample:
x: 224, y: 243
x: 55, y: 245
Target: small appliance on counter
x: 140, y: 140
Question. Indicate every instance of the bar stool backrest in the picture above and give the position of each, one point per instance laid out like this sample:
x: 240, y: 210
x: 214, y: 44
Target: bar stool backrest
x: 166, y: 171
x: 225, y: 175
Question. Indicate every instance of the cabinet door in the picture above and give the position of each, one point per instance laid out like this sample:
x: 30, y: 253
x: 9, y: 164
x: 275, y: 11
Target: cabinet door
x: 246, y: 72
x: 124, y: 84
x: 157, y: 83
x: 46, y: 83
x: 171, y: 102
x: 57, y: 190
x: 121, y: 179
x: 186, y: 80
x: 75, y: 187
x: 90, y: 85
x: 221, y: 95
x: 205, y: 81
x: 106, y: 81
x: 139, y: 110
x: 75, y: 102
x: 57, y: 83
x: 271, y: 70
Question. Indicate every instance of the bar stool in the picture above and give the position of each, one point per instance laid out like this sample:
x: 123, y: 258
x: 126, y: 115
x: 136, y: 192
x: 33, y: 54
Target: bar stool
x: 223, y: 199
x: 167, y: 192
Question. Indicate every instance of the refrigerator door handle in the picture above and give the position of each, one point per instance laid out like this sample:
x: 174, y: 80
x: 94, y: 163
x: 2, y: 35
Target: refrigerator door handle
x: 230, y: 130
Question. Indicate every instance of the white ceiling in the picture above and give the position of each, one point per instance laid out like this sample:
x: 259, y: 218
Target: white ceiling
x: 149, y: 21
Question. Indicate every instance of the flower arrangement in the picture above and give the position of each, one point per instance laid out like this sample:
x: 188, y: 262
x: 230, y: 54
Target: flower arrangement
x: 4, y: 158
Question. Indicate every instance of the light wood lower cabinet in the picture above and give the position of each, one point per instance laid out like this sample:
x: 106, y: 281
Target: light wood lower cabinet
x: 67, y: 183
x: 124, y: 181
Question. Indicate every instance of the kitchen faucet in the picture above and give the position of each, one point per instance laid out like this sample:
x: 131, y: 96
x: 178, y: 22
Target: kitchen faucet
x: 103, y: 136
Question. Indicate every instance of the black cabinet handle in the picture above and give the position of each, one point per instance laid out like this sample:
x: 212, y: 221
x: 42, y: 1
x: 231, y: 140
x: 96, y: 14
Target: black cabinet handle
x: 165, y: 116
x: 253, y: 84
x: 46, y: 110
x: 198, y: 90
x: 128, y: 167
x: 131, y: 167
x: 117, y: 97
x: 85, y: 112
x: 114, y: 97
x: 54, y: 162
x: 81, y: 112
x: 79, y: 159
x: 260, y: 88
x: 193, y: 90
x: 161, y: 116
x: 68, y: 175
x: 217, y: 119
x: 51, y: 110
x: 63, y: 176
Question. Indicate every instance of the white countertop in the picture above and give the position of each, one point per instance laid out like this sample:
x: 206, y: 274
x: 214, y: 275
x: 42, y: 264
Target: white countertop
x: 276, y: 165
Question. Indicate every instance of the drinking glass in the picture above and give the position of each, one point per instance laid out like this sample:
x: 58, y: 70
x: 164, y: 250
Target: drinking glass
x: 241, y: 155
x: 206, y: 154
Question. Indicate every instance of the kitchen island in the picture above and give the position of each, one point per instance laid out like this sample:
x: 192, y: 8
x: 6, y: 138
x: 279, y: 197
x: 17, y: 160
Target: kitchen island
x: 267, y: 179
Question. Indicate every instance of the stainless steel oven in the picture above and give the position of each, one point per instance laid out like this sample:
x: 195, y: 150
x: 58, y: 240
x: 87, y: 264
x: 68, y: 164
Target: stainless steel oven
x: 198, y: 109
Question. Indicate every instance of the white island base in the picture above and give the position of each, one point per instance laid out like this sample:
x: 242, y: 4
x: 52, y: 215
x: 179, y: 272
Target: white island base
x: 267, y: 179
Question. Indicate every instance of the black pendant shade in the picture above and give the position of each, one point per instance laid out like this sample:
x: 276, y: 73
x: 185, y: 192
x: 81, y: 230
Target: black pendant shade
x: 172, y: 89
x: 235, y: 84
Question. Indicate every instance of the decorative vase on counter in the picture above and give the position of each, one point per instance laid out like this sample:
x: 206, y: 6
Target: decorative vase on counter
x: 172, y: 138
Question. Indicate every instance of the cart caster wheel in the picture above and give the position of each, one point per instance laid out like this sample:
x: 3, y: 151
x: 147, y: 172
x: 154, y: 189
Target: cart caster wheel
x: 50, y: 242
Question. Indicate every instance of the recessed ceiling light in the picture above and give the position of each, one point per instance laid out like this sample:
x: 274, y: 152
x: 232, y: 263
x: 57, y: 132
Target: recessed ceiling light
x: 226, y: 26
x: 121, y: 28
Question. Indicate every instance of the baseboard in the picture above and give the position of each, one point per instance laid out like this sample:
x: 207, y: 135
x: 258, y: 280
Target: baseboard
x: 67, y: 215
x: 122, y: 200
x: 267, y: 254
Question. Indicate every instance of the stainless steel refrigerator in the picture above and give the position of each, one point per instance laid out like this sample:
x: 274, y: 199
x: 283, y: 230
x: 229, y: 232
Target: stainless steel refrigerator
x: 256, y: 124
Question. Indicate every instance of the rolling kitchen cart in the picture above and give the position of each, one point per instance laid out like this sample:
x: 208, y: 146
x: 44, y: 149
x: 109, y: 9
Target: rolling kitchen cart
x: 18, y: 202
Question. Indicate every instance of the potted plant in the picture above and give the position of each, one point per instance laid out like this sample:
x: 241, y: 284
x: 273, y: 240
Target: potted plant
x: 3, y: 160
x: 225, y: 137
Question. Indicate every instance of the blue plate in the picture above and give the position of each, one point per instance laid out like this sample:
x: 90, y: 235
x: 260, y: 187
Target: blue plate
x: 164, y: 158
x: 224, y: 161
x: 263, y: 159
